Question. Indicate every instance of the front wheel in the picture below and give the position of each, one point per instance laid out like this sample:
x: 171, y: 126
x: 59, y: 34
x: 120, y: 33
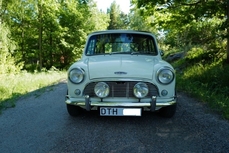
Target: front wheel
x: 168, y: 111
x: 73, y: 110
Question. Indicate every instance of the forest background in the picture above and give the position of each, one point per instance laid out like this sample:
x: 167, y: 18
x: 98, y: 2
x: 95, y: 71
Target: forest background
x: 47, y: 36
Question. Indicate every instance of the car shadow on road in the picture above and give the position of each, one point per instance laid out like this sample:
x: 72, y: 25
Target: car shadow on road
x: 93, y: 116
x: 125, y: 133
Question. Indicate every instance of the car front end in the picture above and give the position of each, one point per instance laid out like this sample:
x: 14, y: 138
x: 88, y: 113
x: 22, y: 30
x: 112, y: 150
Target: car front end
x: 121, y: 83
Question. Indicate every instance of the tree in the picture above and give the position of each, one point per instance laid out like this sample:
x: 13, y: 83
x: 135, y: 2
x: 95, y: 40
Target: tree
x: 227, y: 27
x: 40, y: 20
x: 48, y: 33
x: 185, y: 14
x: 38, y: 31
x: 140, y: 23
x: 118, y: 20
x: 98, y: 20
x: 73, y: 19
x: 8, y: 64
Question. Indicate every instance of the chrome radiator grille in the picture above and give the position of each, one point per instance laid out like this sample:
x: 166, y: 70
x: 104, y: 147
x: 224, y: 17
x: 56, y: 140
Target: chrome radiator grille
x: 120, y: 89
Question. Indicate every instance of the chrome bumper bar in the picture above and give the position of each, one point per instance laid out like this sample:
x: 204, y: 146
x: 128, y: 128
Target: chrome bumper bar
x: 152, y: 104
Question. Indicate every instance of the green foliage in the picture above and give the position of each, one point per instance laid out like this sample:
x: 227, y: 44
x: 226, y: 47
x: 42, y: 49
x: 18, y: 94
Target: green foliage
x: 137, y: 22
x: 7, y: 47
x: 204, y: 79
x: 118, y: 20
x: 50, y: 33
x: 208, y: 83
x: 98, y: 19
x: 187, y: 22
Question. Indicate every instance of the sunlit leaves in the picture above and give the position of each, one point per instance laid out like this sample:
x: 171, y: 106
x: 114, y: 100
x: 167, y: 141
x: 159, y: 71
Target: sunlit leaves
x: 118, y: 19
x: 47, y: 30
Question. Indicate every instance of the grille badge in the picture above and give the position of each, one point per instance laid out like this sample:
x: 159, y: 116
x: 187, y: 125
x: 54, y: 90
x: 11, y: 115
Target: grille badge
x: 120, y: 73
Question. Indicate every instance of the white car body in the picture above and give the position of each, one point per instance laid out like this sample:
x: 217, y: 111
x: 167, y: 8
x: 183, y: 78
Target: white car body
x: 119, y: 73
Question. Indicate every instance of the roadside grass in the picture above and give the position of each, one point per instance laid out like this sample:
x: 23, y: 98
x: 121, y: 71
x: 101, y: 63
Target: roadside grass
x: 12, y: 86
x: 208, y: 82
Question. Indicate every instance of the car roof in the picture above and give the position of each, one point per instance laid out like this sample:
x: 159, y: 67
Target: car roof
x: 121, y: 31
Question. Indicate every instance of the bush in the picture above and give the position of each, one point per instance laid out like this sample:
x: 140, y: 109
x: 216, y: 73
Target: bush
x: 205, y: 78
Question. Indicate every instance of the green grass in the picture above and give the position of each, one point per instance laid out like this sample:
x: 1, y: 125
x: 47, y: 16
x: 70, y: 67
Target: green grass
x: 13, y: 86
x: 206, y: 81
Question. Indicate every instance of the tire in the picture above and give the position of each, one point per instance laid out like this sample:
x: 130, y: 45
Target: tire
x: 168, y: 111
x: 74, y: 110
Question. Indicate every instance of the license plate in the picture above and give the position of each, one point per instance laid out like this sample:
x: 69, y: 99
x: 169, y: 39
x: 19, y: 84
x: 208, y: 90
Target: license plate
x: 111, y: 111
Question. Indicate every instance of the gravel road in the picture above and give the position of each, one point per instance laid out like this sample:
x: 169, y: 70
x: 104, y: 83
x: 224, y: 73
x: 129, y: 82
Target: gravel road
x: 40, y: 124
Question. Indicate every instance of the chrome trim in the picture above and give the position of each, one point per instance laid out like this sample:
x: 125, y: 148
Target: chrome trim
x: 163, y: 68
x: 87, y: 103
x: 79, y: 68
x: 121, y: 89
x: 152, y: 104
x: 118, y: 79
x: 117, y: 104
x: 120, y: 73
x: 121, y: 79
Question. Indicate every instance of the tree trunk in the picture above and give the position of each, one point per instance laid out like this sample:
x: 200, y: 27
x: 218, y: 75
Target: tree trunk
x: 22, y: 40
x: 40, y: 34
x: 51, y: 58
x: 0, y: 12
x: 227, y: 60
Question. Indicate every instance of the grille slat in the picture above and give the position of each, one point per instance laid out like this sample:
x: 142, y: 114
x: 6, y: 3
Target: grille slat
x: 120, y: 89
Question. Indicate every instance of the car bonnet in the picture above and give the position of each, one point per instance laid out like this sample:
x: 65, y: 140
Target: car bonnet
x: 115, y: 66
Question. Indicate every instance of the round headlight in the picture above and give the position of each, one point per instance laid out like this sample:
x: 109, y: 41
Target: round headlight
x: 76, y: 75
x: 141, y: 90
x: 165, y: 76
x: 101, y: 89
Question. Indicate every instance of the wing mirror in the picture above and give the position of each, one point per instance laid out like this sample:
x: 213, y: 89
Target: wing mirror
x: 161, y: 52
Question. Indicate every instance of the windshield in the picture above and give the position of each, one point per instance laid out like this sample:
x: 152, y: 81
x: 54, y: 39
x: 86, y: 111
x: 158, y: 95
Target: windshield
x: 121, y: 44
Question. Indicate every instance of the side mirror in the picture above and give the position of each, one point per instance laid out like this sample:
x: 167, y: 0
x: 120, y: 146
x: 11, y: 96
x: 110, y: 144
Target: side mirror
x: 161, y: 52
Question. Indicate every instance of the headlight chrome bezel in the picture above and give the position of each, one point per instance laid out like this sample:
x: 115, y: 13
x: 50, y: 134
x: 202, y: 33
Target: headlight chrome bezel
x: 76, y: 75
x: 140, y: 90
x: 102, y: 89
x: 165, y: 75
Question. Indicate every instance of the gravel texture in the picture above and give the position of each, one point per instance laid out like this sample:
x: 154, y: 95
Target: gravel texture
x: 40, y: 123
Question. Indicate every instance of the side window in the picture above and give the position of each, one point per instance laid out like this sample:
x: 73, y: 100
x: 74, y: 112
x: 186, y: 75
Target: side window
x: 91, y: 46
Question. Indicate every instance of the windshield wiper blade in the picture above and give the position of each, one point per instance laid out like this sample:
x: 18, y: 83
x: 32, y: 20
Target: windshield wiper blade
x: 143, y: 53
x: 119, y: 53
x: 134, y: 53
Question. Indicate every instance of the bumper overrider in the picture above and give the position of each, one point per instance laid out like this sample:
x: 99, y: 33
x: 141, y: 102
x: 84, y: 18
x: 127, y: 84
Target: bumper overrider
x: 152, y: 103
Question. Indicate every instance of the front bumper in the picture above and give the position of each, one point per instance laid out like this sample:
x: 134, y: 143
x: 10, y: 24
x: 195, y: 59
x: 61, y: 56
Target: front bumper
x: 152, y: 104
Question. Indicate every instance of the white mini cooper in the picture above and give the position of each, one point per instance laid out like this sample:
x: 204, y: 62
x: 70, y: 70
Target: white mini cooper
x: 121, y: 73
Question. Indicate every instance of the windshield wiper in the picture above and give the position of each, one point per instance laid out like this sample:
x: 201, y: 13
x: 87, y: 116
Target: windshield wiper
x: 143, y: 53
x: 151, y: 53
x: 134, y: 53
x: 119, y: 53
